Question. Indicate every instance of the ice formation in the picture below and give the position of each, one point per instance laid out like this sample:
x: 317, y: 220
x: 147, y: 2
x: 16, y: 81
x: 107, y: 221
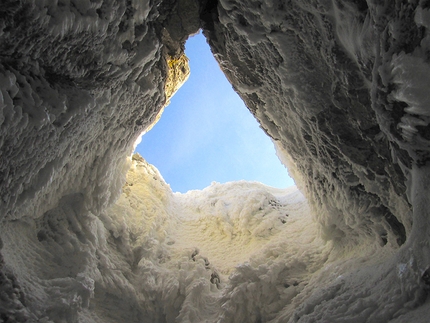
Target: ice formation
x: 89, y: 234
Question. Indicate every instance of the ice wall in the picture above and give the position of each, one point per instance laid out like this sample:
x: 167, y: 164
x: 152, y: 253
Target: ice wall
x: 307, y: 72
x: 340, y: 86
x: 80, y: 80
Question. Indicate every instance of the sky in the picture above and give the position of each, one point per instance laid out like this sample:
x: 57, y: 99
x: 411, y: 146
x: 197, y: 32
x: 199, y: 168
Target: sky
x: 207, y: 134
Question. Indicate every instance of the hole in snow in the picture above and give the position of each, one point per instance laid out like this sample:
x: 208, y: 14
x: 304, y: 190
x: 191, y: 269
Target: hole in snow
x: 207, y: 134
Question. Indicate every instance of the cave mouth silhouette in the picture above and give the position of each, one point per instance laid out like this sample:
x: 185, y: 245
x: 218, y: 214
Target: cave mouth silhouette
x: 207, y: 134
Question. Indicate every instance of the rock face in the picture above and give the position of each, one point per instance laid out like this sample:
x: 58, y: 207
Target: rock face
x: 340, y: 86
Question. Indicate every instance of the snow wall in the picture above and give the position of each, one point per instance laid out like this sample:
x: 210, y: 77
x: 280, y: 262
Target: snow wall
x: 89, y: 234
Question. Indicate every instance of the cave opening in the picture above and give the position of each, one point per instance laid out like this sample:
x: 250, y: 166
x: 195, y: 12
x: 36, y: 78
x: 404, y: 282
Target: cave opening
x: 207, y: 134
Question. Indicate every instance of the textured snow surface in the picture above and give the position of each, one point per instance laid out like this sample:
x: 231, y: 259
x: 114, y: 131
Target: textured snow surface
x: 306, y: 71
x: 56, y: 104
x: 237, y: 251
x: 234, y: 252
x: 340, y: 86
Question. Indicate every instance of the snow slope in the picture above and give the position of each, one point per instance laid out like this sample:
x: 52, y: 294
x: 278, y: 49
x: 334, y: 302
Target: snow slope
x: 244, y: 252
x: 156, y: 256
x: 232, y: 252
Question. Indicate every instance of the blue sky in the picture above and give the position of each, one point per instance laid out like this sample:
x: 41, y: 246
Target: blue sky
x: 207, y: 134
